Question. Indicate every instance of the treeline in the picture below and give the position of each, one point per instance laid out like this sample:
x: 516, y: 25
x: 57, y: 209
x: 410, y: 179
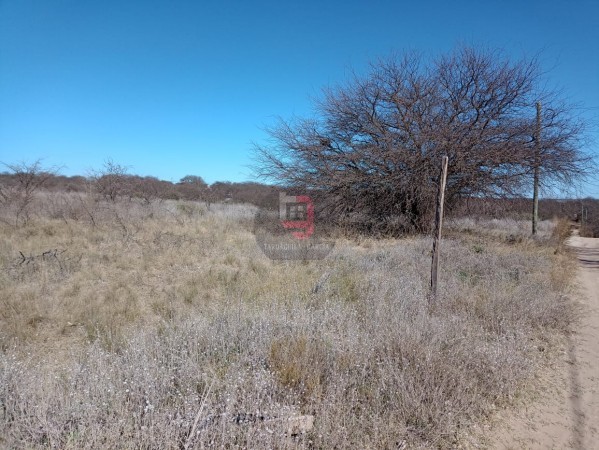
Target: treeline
x: 113, y: 186
x: 113, y: 183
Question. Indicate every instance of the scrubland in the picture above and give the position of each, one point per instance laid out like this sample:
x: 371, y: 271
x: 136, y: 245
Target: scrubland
x: 162, y: 325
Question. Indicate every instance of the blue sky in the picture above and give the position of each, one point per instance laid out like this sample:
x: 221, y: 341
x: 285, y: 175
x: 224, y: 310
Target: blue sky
x: 171, y: 88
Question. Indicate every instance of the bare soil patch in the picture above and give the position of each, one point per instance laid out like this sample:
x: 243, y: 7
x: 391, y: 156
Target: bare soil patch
x: 566, y: 414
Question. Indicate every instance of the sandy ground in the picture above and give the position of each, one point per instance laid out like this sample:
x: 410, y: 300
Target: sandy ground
x: 566, y: 414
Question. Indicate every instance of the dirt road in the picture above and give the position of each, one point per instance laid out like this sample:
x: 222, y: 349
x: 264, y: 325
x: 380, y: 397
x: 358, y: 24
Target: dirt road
x: 567, y: 413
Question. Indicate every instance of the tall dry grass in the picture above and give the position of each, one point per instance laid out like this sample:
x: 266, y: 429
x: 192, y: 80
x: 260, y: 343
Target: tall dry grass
x: 164, y: 326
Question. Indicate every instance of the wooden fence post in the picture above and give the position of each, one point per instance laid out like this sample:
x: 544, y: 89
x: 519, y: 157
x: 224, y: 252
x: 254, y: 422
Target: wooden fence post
x: 537, y: 164
x: 438, y: 228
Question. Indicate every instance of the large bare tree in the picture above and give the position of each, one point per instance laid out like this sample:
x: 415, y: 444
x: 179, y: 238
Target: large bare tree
x: 373, y: 149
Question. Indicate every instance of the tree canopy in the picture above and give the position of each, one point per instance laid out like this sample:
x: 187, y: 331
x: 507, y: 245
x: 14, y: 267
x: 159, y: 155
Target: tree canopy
x: 373, y: 149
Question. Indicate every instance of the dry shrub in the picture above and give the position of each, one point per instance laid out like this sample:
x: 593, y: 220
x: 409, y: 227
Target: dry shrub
x: 590, y: 229
x: 300, y: 363
x: 561, y: 232
x: 507, y: 230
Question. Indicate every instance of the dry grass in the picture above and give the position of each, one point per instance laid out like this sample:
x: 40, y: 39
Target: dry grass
x: 508, y: 230
x: 160, y: 316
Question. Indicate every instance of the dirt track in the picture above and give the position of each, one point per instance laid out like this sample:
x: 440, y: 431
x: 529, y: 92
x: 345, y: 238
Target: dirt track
x: 567, y: 414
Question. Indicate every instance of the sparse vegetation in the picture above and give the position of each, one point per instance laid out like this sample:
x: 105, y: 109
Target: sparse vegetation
x: 129, y: 323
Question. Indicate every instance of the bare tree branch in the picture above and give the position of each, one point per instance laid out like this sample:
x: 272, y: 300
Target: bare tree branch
x: 373, y: 149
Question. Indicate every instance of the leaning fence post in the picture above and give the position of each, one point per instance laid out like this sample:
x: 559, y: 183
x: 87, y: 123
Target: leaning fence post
x: 438, y: 227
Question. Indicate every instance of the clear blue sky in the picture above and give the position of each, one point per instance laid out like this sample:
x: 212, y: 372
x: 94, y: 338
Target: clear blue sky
x: 183, y: 87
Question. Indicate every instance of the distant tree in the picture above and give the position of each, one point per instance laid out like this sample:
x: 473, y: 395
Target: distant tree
x: 222, y: 190
x: 255, y: 193
x: 112, y: 181
x: 192, y: 187
x: 193, y: 180
x: 149, y: 189
x: 374, y: 148
x: 62, y: 183
x: 18, y: 191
